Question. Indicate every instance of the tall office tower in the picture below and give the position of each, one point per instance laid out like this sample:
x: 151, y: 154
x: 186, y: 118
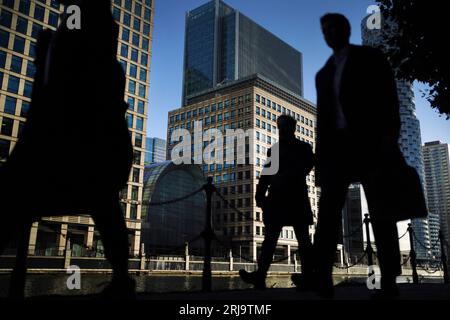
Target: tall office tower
x: 437, y: 177
x: 410, y: 144
x: 155, y: 150
x: 222, y: 45
x: 352, y: 218
x: 20, y: 22
x: 251, y: 104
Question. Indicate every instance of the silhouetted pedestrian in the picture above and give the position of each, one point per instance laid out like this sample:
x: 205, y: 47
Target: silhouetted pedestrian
x: 75, y: 153
x: 283, y: 196
x: 358, y: 128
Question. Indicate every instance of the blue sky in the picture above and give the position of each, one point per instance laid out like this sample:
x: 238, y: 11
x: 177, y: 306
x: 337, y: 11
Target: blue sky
x: 294, y: 21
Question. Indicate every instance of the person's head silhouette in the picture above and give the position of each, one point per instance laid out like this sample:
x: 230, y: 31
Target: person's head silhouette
x: 336, y: 30
x: 286, y: 126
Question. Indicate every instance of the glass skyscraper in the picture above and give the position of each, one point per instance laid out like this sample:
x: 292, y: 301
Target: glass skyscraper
x: 20, y: 23
x: 223, y: 45
x: 437, y: 177
x: 410, y: 143
x: 155, y: 150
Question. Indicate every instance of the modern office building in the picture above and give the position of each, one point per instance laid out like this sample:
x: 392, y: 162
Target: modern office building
x: 155, y: 150
x: 20, y: 22
x: 410, y: 144
x: 352, y: 236
x: 437, y: 178
x: 166, y: 228
x: 251, y: 105
x: 223, y: 45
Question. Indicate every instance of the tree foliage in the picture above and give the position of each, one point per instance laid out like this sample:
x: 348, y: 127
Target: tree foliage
x: 419, y: 48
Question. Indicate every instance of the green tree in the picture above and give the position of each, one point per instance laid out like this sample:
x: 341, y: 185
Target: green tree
x: 419, y: 47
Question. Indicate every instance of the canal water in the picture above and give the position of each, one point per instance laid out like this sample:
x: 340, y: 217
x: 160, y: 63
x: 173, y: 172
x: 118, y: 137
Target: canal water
x: 56, y: 284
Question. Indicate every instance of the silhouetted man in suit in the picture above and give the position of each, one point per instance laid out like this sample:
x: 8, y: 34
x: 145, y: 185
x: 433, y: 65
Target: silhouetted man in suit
x: 358, y: 127
x: 286, y: 202
x: 75, y: 153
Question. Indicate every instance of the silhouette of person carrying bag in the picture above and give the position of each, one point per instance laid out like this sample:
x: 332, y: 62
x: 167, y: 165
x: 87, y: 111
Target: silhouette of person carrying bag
x: 283, y: 196
x: 358, y: 129
x: 75, y: 152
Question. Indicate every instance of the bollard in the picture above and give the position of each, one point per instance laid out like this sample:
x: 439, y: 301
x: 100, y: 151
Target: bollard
x: 231, y: 260
x: 186, y: 256
x: 67, y: 254
x: 444, y: 257
x: 295, y: 263
x: 412, y: 254
x: 142, y: 257
x: 369, y: 249
x: 208, y: 235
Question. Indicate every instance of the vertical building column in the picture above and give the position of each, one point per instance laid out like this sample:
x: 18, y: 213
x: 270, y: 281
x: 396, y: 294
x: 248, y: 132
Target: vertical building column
x: 89, y: 239
x: 253, y: 250
x: 135, y: 243
x: 61, y: 239
x: 287, y: 253
x: 33, y: 238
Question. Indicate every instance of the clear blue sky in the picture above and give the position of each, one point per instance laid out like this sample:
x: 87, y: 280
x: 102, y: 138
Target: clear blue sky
x: 294, y: 21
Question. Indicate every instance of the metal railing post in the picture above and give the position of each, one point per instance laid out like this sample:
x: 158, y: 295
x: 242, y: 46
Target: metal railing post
x: 369, y: 249
x: 208, y: 235
x: 412, y: 254
x: 444, y: 257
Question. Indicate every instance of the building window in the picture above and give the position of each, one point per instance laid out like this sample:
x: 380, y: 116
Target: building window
x: 53, y: 19
x: 5, y: 19
x: 4, y: 39
x: 24, y: 109
x: 138, y: 140
x: 140, y: 124
x: 141, y: 107
x: 19, y: 44
x: 13, y: 84
x: 6, y: 127
x: 39, y: 13
x: 136, y: 175
x: 133, y: 211
x: 4, y: 148
x: 21, y: 25
x: 28, y: 89
x: 125, y: 34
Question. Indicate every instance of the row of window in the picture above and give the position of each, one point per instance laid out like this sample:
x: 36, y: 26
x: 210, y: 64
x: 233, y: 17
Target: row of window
x: 223, y: 105
x: 13, y: 85
x: 133, y: 72
x: 276, y: 107
x: 133, y: 55
x: 135, y: 39
x: 135, y: 122
x: 137, y: 10
x: 17, y: 65
x: 138, y: 107
x: 132, y: 21
x: 25, y: 8
x: 18, y: 43
x: 7, y: 126
x: 11, y: 106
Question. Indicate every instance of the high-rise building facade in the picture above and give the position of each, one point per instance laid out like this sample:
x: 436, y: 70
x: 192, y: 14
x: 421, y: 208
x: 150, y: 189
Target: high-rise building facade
x: 352, y: 219
x: 223, y: 45
x: 254, y: 104
x: 20, y: 23
x: 437, y: 177
x: 155, y: 150
x: 410, y: 143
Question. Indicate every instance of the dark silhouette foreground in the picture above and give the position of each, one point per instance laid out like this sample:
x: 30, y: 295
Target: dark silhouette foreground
x: 358, y: 128
x: 75, y: 152
x: 286, y: 202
